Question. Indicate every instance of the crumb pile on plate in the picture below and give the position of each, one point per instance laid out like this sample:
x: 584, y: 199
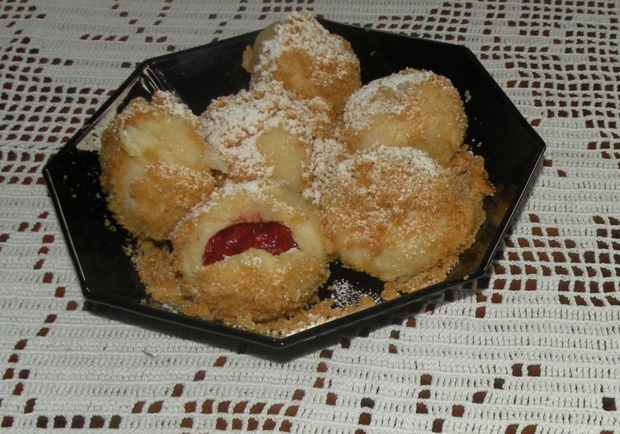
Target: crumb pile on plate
x: 239, y: 210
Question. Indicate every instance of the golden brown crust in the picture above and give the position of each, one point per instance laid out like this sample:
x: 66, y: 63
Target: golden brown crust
x: 411, y: 108
x: 164, y: 285
x: 155, y: 268
x: 164, y: 195
x: 253, y: 201
x: 154, y: 168
x: 395, y: 212
x: 253, y: 286
x: 300, y: 53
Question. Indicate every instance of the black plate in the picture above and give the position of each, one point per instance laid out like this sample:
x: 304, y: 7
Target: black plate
x: 497, y: 131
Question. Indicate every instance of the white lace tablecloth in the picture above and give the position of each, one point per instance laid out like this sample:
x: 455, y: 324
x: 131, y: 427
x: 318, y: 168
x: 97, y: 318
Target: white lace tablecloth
x: 534, y: 347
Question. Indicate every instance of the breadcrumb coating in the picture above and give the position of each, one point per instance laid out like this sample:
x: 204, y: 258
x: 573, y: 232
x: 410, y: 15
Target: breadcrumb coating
x: 303, y: 56
x: 251, y: 286
x: 411, y: 108
x: 376, y: 176
x: 155, y: 166
x: 395, y: 212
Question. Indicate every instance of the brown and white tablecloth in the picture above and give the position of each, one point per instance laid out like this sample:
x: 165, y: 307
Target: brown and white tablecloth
x: 532, y: 348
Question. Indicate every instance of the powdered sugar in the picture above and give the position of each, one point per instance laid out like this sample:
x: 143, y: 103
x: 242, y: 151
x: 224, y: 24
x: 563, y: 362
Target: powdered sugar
x: 255, y: 189
x: 374, y: 97
x: 346, y: 294
x: 300, y: 31
x: 380, y: 184
x: 163, y: 100
x: 234, y: 123
x: 412, y: 159
x: 326, y: 155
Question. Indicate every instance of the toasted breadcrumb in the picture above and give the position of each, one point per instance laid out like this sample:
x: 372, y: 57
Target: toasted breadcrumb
x: 376, y: 176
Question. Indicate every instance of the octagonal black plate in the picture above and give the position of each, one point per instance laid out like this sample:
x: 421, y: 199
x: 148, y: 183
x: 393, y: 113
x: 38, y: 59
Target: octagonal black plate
x: 497, y: 131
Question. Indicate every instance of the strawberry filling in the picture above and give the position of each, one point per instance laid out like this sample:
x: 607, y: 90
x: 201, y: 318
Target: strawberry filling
x: 272, y: 237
